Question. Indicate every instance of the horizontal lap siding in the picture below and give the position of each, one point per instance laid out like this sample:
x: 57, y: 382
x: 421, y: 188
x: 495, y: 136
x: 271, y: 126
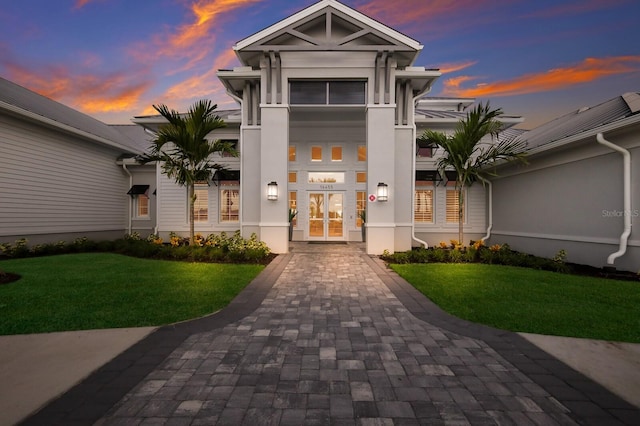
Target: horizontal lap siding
x: 52, y: 182
x: 172, y: 204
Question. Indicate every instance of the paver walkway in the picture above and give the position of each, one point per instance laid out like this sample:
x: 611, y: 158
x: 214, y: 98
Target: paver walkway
x: 333, y: 343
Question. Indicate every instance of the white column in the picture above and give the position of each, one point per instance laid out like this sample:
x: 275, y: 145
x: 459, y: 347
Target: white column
x: 274, y: 144
x: 403, y: 187
x: 381, y: 169
x: 250, y: 182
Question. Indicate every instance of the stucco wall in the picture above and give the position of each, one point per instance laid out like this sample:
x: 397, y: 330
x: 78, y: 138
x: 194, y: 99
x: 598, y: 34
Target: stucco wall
x: 571, y: 200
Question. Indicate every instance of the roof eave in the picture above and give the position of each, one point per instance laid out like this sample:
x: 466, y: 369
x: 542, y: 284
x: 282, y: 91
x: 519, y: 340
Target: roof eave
x: 17, y: 111
x: 560, y: 143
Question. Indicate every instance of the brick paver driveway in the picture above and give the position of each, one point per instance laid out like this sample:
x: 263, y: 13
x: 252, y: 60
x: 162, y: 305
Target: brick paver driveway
x: 331, y: 344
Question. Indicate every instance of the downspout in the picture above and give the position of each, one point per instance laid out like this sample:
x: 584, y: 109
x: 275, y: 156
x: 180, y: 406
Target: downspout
x: 241, y: 146
x: 490, y: 227
x: 155, y: 228
x: 414, y: 131
x: 124, y: 167
x: 626, y: 156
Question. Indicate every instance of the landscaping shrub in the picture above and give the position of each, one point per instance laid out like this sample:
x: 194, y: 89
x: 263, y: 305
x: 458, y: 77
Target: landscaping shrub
x: 213, y: 248
x: 439, y: 255
x: 477, y: 252
x: 456, y: 255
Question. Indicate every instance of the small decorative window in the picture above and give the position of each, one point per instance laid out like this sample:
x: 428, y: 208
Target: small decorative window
x: 293, y: 177
x: 362, y: 153
x: 361, y: 177
x: 316, y: 153
x: 326, y: 177
x: 292, y: 153
x: 336, y: 153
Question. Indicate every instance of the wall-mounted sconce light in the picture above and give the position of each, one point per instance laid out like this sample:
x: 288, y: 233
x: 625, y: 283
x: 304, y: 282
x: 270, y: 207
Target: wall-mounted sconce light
x: 383, y: 192
x: 272, y: 191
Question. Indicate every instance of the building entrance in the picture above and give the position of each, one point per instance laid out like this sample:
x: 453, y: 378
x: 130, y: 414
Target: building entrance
x: 326, y: 216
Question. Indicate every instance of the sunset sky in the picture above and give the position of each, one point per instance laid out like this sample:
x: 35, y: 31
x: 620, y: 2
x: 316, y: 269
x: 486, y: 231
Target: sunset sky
x: 113, y: 59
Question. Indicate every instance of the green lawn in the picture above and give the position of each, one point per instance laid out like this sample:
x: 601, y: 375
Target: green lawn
x: 99, y: 290
x: 533, y: 301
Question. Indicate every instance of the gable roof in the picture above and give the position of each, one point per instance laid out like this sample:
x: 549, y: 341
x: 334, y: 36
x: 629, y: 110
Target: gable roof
x: 22, y: 102
x: 325, y: 26
x: 585, y: 122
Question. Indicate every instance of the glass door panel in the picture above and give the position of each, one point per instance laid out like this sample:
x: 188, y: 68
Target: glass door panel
x: 336, y: 228
x: 316, y: 215
x: 326, y: 215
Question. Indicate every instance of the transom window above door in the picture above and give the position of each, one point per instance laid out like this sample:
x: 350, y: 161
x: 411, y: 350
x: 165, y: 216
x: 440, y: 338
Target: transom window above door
x: 319, y: 92
x: 326, y: 177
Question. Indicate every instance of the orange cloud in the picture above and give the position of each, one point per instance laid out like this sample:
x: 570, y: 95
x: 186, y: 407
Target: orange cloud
x: 415, y: 10
x: 588, y: 70
x: 205, y: 15
x: 81, y: 3
x: 205, y: 84
x: 455, y: 66
x: 202, y: 86
x: 86, y: 92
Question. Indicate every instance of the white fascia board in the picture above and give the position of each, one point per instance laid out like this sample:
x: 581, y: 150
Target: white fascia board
x: 446, y: 101
x: 65, y: 128
x: 424, y: 120
x: 634, y: 119
x: 227, y: 77
x: 508, y: 121
x: 318, y: 7
x: 417, y: 73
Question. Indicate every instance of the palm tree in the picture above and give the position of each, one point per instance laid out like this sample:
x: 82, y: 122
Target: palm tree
x: 471, y: 158
x: 182, y: 148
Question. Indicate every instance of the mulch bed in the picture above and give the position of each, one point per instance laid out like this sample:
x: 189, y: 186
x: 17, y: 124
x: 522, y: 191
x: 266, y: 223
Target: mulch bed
x: 610, y: 273
x: 8, y: 277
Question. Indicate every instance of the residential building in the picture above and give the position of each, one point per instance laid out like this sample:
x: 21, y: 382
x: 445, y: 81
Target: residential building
x: 331, y: 105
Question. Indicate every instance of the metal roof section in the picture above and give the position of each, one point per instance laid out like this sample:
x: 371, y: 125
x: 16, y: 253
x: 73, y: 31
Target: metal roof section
x: 583, y: 122
x: 153, y: 122
x: 136, y: 134
x: 24, y: 103
x: 434, y: 103
x: 325, y: 26
x: 451, y: 110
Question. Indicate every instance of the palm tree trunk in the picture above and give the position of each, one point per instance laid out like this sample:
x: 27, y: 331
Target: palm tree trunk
x: 191, y: 192
x: 460, y: 216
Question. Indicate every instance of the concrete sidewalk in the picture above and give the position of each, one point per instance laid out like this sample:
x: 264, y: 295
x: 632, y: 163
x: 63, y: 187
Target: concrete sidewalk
x: 36, y: 368
x: 335, y: 326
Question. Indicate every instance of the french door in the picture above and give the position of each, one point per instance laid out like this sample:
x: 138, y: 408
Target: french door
x: 326, y: 215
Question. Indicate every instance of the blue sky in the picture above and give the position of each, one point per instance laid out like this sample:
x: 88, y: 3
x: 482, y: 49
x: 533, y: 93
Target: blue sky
x: 113, y: 59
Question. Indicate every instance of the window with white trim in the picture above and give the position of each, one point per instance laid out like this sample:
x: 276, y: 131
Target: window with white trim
x: 423, y: 202
x: 229, y: 204
x: 201, y: 205
x: 142, y: 206
x: 453, y: 203
x: 335, y: 92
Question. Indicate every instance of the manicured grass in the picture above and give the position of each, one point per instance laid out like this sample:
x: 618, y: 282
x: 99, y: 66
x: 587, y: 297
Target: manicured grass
x: 101, y: 290
x: 533, y: 301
